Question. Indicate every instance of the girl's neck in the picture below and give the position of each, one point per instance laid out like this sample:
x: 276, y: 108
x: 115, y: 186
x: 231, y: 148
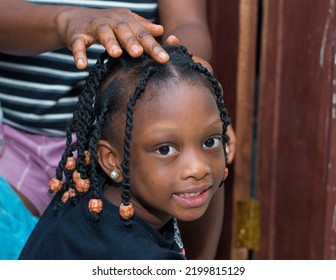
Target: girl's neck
x: 113, y: 195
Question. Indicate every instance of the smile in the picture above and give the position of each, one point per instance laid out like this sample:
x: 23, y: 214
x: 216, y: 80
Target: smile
x: 192, y: 199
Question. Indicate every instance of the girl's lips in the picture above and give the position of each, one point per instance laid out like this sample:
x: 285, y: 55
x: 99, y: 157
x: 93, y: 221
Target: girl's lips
x: 192, y: 199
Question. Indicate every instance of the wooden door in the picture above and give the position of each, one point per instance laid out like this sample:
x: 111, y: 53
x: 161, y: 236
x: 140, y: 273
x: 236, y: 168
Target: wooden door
x: 280, y: 71
x: 296, y: 168
x: 223, y: 22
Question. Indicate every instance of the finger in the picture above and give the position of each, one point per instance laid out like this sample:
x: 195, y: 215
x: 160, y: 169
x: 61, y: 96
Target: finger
x: 127, y: 38
x: 155, y: 29
x: 152, y: 47
x: 78, y: 48
x: 203, y: 62
x: 172, y: 40
x: 150, y: 44
x: 107, y: 38
x: 137, y: 40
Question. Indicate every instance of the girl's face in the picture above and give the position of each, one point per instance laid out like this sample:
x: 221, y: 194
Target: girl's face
x: 177, y: 157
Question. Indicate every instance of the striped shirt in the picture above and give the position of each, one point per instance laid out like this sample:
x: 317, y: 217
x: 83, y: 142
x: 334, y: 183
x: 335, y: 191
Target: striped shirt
x: 38, y: 93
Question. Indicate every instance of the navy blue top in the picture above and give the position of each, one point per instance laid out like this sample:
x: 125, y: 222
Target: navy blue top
x: 70, y: 234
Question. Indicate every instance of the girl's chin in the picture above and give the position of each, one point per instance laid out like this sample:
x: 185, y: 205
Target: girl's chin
x: 191, y: 215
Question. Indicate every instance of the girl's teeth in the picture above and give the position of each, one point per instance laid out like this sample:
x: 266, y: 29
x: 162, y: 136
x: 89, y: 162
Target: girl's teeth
x: 188, y: 194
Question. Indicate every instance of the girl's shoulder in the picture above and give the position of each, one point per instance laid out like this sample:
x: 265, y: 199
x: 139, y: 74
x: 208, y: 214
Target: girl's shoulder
x: 70, y: 234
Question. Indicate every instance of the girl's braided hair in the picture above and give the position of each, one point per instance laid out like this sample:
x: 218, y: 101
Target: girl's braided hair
x: 112, y: 89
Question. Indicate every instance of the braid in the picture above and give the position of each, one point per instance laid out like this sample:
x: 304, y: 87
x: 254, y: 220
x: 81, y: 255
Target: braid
x: 189, y: 63
x: 219, y: 100
x: 85, y: 126
x: 84, y: 114
x: 96, y: 133
x: 128, y: 136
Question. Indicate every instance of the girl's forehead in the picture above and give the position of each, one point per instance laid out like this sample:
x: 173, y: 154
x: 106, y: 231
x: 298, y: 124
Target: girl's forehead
x: 182, y: 110
x: 178, y: 99
x: 173, y: 87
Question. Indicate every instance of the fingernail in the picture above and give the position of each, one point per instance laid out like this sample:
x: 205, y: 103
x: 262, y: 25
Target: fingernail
x: 163, y: 55
x: 80, y: 61
x: 115, y: 50
x: 135, y: 48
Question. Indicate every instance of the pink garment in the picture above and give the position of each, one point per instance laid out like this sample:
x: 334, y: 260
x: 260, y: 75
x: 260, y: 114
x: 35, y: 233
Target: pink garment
x: 28, y: 161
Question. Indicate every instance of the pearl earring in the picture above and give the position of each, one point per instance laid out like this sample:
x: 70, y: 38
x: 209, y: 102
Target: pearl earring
x: 114, y: 174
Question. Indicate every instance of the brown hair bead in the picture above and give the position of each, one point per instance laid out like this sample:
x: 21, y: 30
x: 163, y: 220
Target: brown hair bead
x: 68, y: 194
x: 126, y: 211
x: 87, y: 157
x: 72, y: 192
x: 55, y: 185
x: 65, y: 197
x: 70, y: 163
x: 95, y: 205
x: 82, y: 185
x: 75, y: 176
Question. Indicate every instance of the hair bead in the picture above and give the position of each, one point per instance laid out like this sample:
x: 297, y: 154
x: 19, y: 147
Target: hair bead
x: 95, y: 205
x: 70, y: 163
x: 126, y: 211
x: 68, y: 194
x: 55, y: 185
x: 83, y: 185
x: 75, y: 176
x: 65, y: 197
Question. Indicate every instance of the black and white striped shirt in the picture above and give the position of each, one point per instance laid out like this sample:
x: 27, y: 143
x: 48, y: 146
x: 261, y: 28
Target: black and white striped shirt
x: 38, y: 93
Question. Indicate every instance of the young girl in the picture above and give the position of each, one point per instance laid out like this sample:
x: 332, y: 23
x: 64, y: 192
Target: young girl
x: 145, y: 147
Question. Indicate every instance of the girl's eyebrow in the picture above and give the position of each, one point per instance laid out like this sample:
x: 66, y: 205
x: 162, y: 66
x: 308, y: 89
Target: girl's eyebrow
x: 169, y: 129
x: 216, y: 122
x: 159, y: 130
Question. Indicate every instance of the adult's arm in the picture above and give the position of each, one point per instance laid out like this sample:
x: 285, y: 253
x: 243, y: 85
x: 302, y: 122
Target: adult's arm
x: 28, y: 28
x: 187, y: 20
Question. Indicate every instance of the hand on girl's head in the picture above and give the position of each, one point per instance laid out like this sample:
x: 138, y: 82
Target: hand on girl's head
x: 112, y: 28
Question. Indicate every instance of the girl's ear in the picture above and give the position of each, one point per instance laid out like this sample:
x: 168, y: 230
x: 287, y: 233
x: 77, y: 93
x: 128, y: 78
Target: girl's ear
x: 226, y: 173
x: 109, y: 159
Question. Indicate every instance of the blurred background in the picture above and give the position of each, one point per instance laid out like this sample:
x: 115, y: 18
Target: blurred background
x: 276, y: 62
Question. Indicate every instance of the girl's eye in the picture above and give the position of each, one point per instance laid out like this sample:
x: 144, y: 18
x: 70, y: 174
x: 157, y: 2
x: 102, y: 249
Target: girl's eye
x: 166, y: 150
x: 211, y: 143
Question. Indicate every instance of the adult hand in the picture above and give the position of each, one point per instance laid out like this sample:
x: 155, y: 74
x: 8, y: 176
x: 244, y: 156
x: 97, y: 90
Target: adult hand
x: 79, y: 28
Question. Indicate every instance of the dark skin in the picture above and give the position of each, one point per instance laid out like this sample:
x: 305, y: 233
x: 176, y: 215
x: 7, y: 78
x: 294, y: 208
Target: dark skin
x: 177, y: 161
x: 28, y: 28
x: 43, y: 28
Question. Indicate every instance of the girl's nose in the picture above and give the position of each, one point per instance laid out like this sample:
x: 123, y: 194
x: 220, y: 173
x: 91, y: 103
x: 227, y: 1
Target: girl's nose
x: 194, y: 165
